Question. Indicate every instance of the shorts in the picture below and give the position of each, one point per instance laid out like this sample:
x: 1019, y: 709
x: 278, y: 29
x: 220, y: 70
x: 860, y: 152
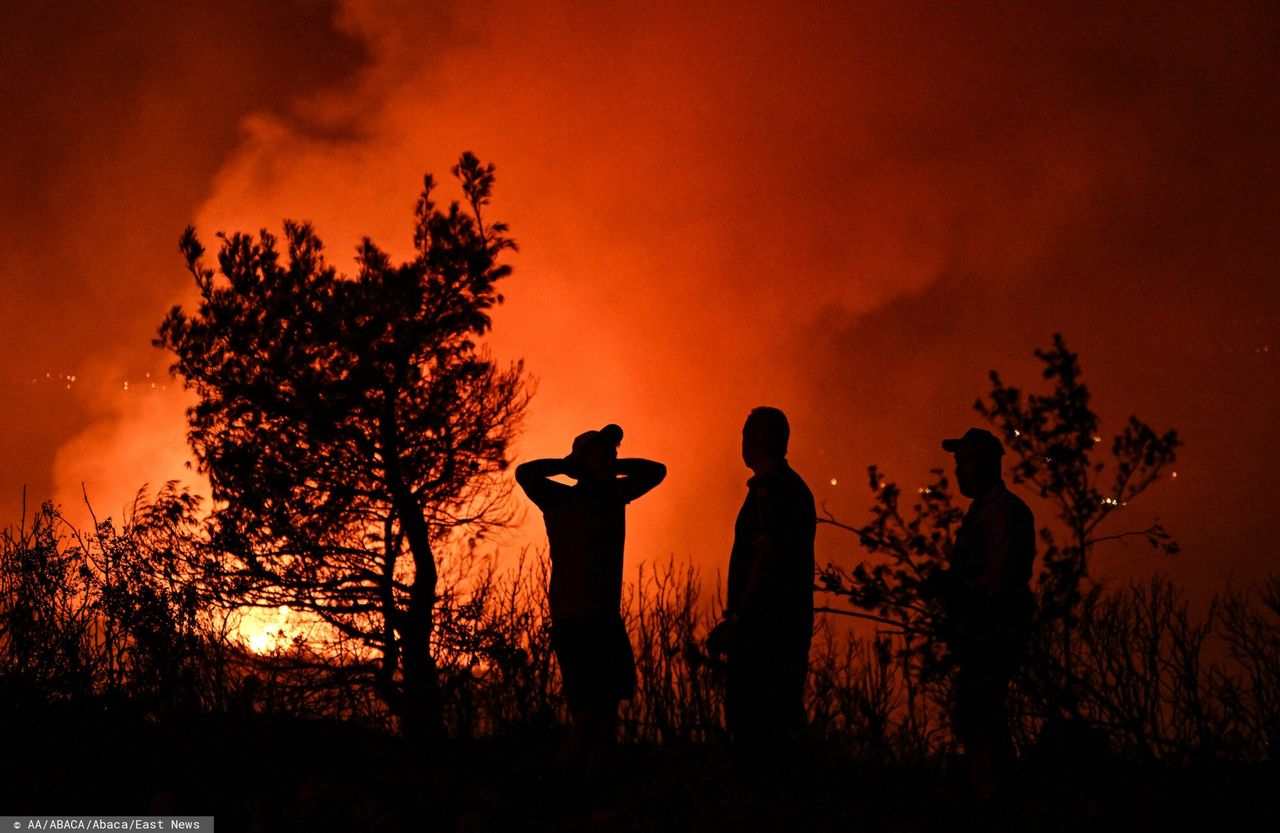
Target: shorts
x: 597, y: 666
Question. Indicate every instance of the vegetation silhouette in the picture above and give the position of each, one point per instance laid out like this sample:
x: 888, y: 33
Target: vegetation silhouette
x: 352, y: 429
x: 103, y: 616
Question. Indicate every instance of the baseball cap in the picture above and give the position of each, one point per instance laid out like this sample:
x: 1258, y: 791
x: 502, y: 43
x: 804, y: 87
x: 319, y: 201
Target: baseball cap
x: 607, y: 437
x: 975, y: 440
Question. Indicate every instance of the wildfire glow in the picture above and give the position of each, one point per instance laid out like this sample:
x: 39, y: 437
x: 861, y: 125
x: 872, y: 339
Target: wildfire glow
x: 264, y: 630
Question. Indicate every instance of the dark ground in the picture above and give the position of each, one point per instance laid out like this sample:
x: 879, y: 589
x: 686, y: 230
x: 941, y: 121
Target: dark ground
x: 276, y: 775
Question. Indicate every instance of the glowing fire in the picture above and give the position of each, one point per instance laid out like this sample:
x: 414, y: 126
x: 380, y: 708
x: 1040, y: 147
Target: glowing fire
x: 264, y: 630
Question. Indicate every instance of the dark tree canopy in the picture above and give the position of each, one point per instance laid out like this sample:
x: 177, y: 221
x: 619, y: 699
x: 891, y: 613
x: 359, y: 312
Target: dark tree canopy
x: 352, y: 427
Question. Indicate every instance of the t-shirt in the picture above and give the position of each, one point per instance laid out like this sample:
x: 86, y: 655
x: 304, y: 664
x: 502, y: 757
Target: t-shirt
x: 996, y: 545
x: 586, y: 529
x: 992, y: 559
x: 779, y: 507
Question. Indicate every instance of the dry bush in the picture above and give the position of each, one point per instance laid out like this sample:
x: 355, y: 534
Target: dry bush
x: 107, y: 618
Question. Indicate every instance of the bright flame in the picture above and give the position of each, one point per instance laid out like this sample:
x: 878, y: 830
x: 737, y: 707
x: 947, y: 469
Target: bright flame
x: 263, y: 630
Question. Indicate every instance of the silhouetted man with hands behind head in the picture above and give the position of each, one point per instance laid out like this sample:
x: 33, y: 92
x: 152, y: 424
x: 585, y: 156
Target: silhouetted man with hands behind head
x: 586, y: 529
x: 768, y: 624
x: 986, y: 597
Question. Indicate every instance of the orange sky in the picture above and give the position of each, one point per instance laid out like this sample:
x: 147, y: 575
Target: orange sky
x: 852, y: 215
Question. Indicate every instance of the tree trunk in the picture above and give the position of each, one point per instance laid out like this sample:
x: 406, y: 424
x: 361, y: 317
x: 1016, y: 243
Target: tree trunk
x: 422, y: 714
x: 421, y: 710
x: 391, y: 618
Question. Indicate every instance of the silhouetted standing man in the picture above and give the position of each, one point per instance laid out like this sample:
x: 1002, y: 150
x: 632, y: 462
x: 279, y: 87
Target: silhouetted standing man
x: 768, y: 623
x: 586, y: 529
x: 986, y: 597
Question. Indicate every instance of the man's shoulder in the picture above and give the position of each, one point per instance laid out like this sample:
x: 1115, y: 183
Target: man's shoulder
x: 1011, y: 505
x: 546, y: 493
x: 786, y: 484
x: 795, y: 481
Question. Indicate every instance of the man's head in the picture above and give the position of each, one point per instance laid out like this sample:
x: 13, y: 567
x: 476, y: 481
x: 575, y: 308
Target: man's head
x: 977, y: 456
x: 596, y: 452
x: 764, y: 439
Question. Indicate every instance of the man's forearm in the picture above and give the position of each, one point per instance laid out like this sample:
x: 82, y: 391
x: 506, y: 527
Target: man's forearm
x: 536, y: 469
x: 639, y: 467
x: 638, y: 476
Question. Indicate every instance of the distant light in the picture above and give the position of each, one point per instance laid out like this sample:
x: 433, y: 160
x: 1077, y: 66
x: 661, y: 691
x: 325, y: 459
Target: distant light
x: 1017, y: 433
x: 1174, y: 474
x: 833, y: 480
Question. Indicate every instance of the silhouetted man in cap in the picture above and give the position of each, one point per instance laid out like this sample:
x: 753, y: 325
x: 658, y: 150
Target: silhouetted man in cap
x: 987, y: 602
x: 586, y: 529
x: 764, y: 638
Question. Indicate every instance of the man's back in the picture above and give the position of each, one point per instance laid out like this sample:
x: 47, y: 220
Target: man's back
x: 586, y: 530
x: 586, y: 534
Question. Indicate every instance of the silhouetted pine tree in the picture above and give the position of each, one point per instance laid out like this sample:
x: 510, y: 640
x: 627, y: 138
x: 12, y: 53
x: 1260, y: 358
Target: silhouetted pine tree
x: 352, y: 427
